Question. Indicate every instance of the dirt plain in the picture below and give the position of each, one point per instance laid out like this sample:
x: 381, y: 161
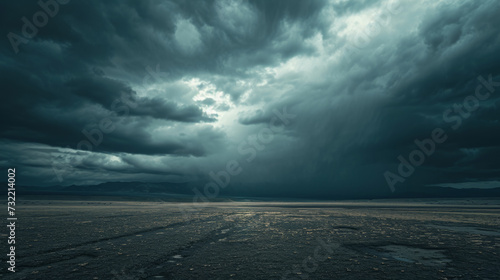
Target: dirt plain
x: 386, y: 239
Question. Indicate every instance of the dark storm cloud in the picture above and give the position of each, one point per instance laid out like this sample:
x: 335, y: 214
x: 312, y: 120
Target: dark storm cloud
x: 54, y: 93
x: 133, y: 34
x: 55, y: 112
x: 57, y: 68
x: 348, y: 143
x: 186, y: 82
x: 106, y: 92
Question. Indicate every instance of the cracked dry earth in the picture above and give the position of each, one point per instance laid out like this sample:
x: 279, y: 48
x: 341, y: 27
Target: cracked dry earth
x: 256, y: 240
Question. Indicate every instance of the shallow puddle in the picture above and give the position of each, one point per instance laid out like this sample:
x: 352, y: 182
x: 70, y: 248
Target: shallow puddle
x: 472, y: 230
x: 408, y: 254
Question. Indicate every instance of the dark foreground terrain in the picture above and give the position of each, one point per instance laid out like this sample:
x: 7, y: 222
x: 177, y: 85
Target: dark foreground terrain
x: 431, y: 239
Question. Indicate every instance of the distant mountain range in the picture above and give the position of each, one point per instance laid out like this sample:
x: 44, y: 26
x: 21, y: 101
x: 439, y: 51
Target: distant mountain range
x: 139, y: 189
x: 183, y: 191
x: 444, y: 192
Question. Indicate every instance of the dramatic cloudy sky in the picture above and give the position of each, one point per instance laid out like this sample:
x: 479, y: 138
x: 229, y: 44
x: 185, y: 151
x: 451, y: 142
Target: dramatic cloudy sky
x: 178, y: 89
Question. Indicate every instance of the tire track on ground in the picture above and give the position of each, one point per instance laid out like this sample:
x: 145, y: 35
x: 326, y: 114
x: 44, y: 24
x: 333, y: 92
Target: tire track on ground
x: 115, y: 237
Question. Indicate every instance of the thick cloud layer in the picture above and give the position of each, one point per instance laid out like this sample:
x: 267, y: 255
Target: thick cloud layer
x: 311, y: 98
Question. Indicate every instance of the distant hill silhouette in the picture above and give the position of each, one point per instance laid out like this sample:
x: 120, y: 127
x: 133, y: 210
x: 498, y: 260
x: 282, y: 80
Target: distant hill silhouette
x: 184, y: 190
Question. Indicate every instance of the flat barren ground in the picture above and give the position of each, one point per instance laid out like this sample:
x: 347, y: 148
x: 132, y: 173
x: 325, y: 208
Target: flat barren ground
x: 428, y: 239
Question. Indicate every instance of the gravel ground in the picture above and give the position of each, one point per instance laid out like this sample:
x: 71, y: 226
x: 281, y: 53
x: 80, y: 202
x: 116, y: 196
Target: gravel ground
x: 256, y: 240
